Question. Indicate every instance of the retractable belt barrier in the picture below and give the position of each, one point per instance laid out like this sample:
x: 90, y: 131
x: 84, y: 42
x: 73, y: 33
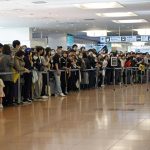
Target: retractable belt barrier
x: 129, y: 73
x: 132, y: 72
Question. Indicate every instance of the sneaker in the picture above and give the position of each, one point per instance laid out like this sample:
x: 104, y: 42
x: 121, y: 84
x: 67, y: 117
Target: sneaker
x: 25, y: 101
x: 66, y: 93
x: 29, y: 101
x: 44, y: 97
x: 62, y: 95
x: 1, y: 106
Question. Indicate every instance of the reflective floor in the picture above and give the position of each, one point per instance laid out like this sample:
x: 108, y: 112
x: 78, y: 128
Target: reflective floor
x: 96, y: 119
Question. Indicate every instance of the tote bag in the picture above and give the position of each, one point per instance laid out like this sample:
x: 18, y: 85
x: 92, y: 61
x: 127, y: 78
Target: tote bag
x: 16, y: 75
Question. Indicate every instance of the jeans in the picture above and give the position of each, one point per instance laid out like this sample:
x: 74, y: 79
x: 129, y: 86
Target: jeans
x: 58, y: 89
x: 38, y: 86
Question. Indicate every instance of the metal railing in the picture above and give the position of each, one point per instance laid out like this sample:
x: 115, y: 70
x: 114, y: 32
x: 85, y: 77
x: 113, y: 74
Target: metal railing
x: 125, y: 73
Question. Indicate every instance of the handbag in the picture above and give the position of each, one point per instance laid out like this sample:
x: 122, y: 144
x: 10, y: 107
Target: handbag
x: 16, y: 75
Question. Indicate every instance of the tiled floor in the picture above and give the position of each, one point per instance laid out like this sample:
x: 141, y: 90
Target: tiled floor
x: 96, y: 119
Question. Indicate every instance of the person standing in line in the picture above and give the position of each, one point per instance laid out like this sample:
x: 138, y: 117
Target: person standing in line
x: 16, y: 46
x: 39, y: 67
x: 27, y: 90
x: 75, y: 47
x: 57, y: 72
x: 19, y: 66
x: 46, y: 61
x: 64, y: 63
x: 6, y: 65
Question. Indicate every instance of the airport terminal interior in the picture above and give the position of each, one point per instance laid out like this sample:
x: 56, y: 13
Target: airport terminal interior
x: 74, y: 75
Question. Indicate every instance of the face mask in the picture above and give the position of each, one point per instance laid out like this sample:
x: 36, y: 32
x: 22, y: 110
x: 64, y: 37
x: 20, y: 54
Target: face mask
x: 77, y: 52
x: 52, y: 53
x: 94, y: 55
x: 80, y: 56
x: 35, y: 57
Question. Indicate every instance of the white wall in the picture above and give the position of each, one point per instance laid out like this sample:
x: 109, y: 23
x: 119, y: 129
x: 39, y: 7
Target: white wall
x: 38, y: 42
x: 57, y: 39
x: 7, y: 35
x: 120, y: 46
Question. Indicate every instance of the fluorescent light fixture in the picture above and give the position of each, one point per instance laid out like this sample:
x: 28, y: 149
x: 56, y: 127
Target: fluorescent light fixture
x: 143, y: 31
x: 99, y: 5
x: 116, y: 14
x: 39, y: 2
x: 130, y: 21
x: 96, y: 33
x: 143, y: 12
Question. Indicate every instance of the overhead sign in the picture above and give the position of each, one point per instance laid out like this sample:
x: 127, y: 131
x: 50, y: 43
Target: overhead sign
x: 138, y: 38
x: 130, y: 39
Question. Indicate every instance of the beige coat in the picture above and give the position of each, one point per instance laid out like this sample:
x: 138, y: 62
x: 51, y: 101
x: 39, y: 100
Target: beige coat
x: 19, y: 65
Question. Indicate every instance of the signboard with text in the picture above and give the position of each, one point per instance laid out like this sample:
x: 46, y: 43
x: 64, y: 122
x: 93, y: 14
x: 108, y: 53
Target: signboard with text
x: 114, y: 61
x: 118, y: 39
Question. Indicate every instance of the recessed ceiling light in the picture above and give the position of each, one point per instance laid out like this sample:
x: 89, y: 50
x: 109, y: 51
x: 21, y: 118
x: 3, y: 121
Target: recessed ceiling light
x: 17, y: 9
x: 116, y: 14
x: 130, y: 21
x: 143, y: 12
x: 89, y: 19
x: 5, y: 0
x: 99, y: 5
x: 39, y: 2
x: 96, y: 33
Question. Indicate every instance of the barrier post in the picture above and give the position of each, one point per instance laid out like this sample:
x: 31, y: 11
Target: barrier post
x: 103, y: 77
x: 79, y: 79
x: 48, y: 83
x: 136, y: 76
x: 141, y: 76
x: 122, y: 76
x: 114, y: 78
x: 66, y: 80
x: 147, y: 77
x: 96, y: 85
x: 19, y: 91
x: 131, y: 78
x: 126, y: 76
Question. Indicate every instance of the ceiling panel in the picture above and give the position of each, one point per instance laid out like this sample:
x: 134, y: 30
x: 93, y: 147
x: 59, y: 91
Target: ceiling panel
x: 62, y: 16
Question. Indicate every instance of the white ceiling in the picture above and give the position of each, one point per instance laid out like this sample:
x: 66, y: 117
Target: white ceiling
x: 63, y: 16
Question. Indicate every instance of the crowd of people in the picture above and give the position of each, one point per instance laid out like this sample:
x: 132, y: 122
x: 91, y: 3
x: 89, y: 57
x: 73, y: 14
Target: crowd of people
x: 39, y: 69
